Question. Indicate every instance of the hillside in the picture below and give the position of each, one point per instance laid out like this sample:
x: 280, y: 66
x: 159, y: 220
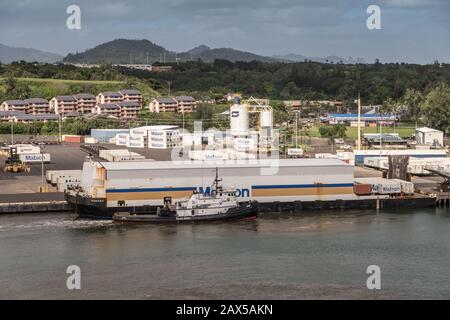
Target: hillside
x: 142, y: 51
x: 122, y: 51
x: 10, y: 54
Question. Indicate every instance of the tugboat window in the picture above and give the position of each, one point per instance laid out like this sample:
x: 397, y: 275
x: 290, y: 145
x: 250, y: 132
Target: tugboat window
x: 192, y: 212
x: 121, y: 203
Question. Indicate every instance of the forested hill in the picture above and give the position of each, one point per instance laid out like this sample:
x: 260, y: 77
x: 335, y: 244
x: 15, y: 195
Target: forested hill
x: 304, y: 80
x: 121, y: 51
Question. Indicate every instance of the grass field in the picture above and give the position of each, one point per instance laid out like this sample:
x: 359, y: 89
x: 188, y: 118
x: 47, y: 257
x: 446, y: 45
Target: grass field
x: 352, y: 133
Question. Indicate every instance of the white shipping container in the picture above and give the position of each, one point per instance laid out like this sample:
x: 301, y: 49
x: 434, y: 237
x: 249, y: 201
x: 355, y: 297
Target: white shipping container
x: 407, y: 186
x: 90, y: 140
x: 136, y: 144
x: 389, y: 188
x: 64, y: 175
x: 35, y: 158
x: 295, y: 152
x: 27, y: 149
x: 325, y: 156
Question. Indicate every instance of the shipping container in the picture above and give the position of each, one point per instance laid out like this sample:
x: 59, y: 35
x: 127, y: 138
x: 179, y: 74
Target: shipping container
x: 72, y: 138
x: 362, y: 189
x: 35, y: 158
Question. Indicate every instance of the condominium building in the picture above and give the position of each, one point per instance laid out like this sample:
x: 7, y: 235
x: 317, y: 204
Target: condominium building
x: 108, y: 109
x: 186, y: 104
x: 9, y: 115
x: 85, y: 102
x: 167, y: 104
x: 109, y: 97
x: 129, y: 109
x: 131, y: 95
x: 38, y: 106
x: 182, y: 104
x: 63, y: 104
x: 14, y: 105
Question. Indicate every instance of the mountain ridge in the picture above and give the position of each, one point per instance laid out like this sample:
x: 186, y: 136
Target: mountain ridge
x: 9, y: 54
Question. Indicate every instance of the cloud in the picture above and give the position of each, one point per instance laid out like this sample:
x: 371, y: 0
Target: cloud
x: 309, y: 27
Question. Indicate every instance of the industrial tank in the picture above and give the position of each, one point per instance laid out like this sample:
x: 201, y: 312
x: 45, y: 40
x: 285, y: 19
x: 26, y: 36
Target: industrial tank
x: 266, y: 119
x: 239, y: 119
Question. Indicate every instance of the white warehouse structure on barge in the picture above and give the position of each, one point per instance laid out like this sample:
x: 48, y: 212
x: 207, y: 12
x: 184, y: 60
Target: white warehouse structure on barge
x: 110, y: 187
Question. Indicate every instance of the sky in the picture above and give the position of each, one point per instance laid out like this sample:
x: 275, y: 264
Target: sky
x: 414, y: 31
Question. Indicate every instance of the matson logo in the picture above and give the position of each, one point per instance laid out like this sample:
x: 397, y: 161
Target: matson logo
x: 240, y: 193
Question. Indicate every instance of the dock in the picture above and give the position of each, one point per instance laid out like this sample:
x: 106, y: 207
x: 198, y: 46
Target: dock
x: 34, y: 207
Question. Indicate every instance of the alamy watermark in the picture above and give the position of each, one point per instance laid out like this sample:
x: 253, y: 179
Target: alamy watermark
x: 74, y: 280
x: 374, y: 280
x: 73, y: 22
x: 374, y: 20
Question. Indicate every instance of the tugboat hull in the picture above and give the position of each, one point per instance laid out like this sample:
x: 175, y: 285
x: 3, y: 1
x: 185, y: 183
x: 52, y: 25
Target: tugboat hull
x: 243, y: 212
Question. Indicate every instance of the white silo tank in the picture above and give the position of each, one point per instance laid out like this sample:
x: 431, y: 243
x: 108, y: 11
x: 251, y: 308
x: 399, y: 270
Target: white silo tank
x: 239, y: 122
x: 266, y: 118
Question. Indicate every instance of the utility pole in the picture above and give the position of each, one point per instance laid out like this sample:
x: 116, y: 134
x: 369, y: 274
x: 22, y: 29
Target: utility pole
x: 169, y: 83
x: 359, y: 121
x: 12, y: 132
x: 59, y: 128
x: 296, y: 129
x: 381, y: 135
x: 42, y: 170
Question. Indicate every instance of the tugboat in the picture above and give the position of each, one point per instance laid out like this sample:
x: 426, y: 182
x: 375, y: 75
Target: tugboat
x: 219, y: 205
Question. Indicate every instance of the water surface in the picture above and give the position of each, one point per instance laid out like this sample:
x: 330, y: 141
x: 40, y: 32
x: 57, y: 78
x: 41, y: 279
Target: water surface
x: 314, y: 256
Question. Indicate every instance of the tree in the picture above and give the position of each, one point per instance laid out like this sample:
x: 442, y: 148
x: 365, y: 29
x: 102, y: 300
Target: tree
x: 333, y: 132
x: 412, y: 99
x: 436, y: 108
x: 14, y: 89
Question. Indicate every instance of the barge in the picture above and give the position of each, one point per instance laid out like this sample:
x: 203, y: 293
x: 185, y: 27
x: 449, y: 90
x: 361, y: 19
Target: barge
x: 280, y: 185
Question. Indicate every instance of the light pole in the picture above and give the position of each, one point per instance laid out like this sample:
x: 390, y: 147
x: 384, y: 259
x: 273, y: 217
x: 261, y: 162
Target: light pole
x: 12, y: 132
x: 42, y: 169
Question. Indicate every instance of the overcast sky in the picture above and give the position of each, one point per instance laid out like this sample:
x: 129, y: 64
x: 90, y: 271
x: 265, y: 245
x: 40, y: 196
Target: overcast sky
x: 412, y: 30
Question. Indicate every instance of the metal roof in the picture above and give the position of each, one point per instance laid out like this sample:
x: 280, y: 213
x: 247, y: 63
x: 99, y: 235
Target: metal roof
x: 166, y: 100
x: 108, y: 106
x: 354, y: 116
x: 156, y: 165
x: 130, y: 103
x: 10, y: 113
x: 65, y: 98
x: 36, y: 100
x: 16, y: 102
x: 426, y: 129
x: 37, y: 116
x: 185, y: 98
x: 111, y: 94
x: 84, y: 96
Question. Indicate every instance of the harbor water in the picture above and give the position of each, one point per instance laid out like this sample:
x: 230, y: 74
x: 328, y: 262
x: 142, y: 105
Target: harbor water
x: 321, y: 255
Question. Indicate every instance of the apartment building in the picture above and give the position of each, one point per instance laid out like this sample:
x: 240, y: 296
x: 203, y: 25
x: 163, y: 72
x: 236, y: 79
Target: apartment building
x: 167, y: 104
x: 108, y: 109
x: 186, y: 104
x: 131, y: 95
x: 129, y: 109
x: 38, y: 106
x: 29, y: 118
x: 63, y: 105
x: 85, y: 102
x: 8, y: 115
x: 181, y: 104
x: 14, y: 105
x: 109, y: 97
